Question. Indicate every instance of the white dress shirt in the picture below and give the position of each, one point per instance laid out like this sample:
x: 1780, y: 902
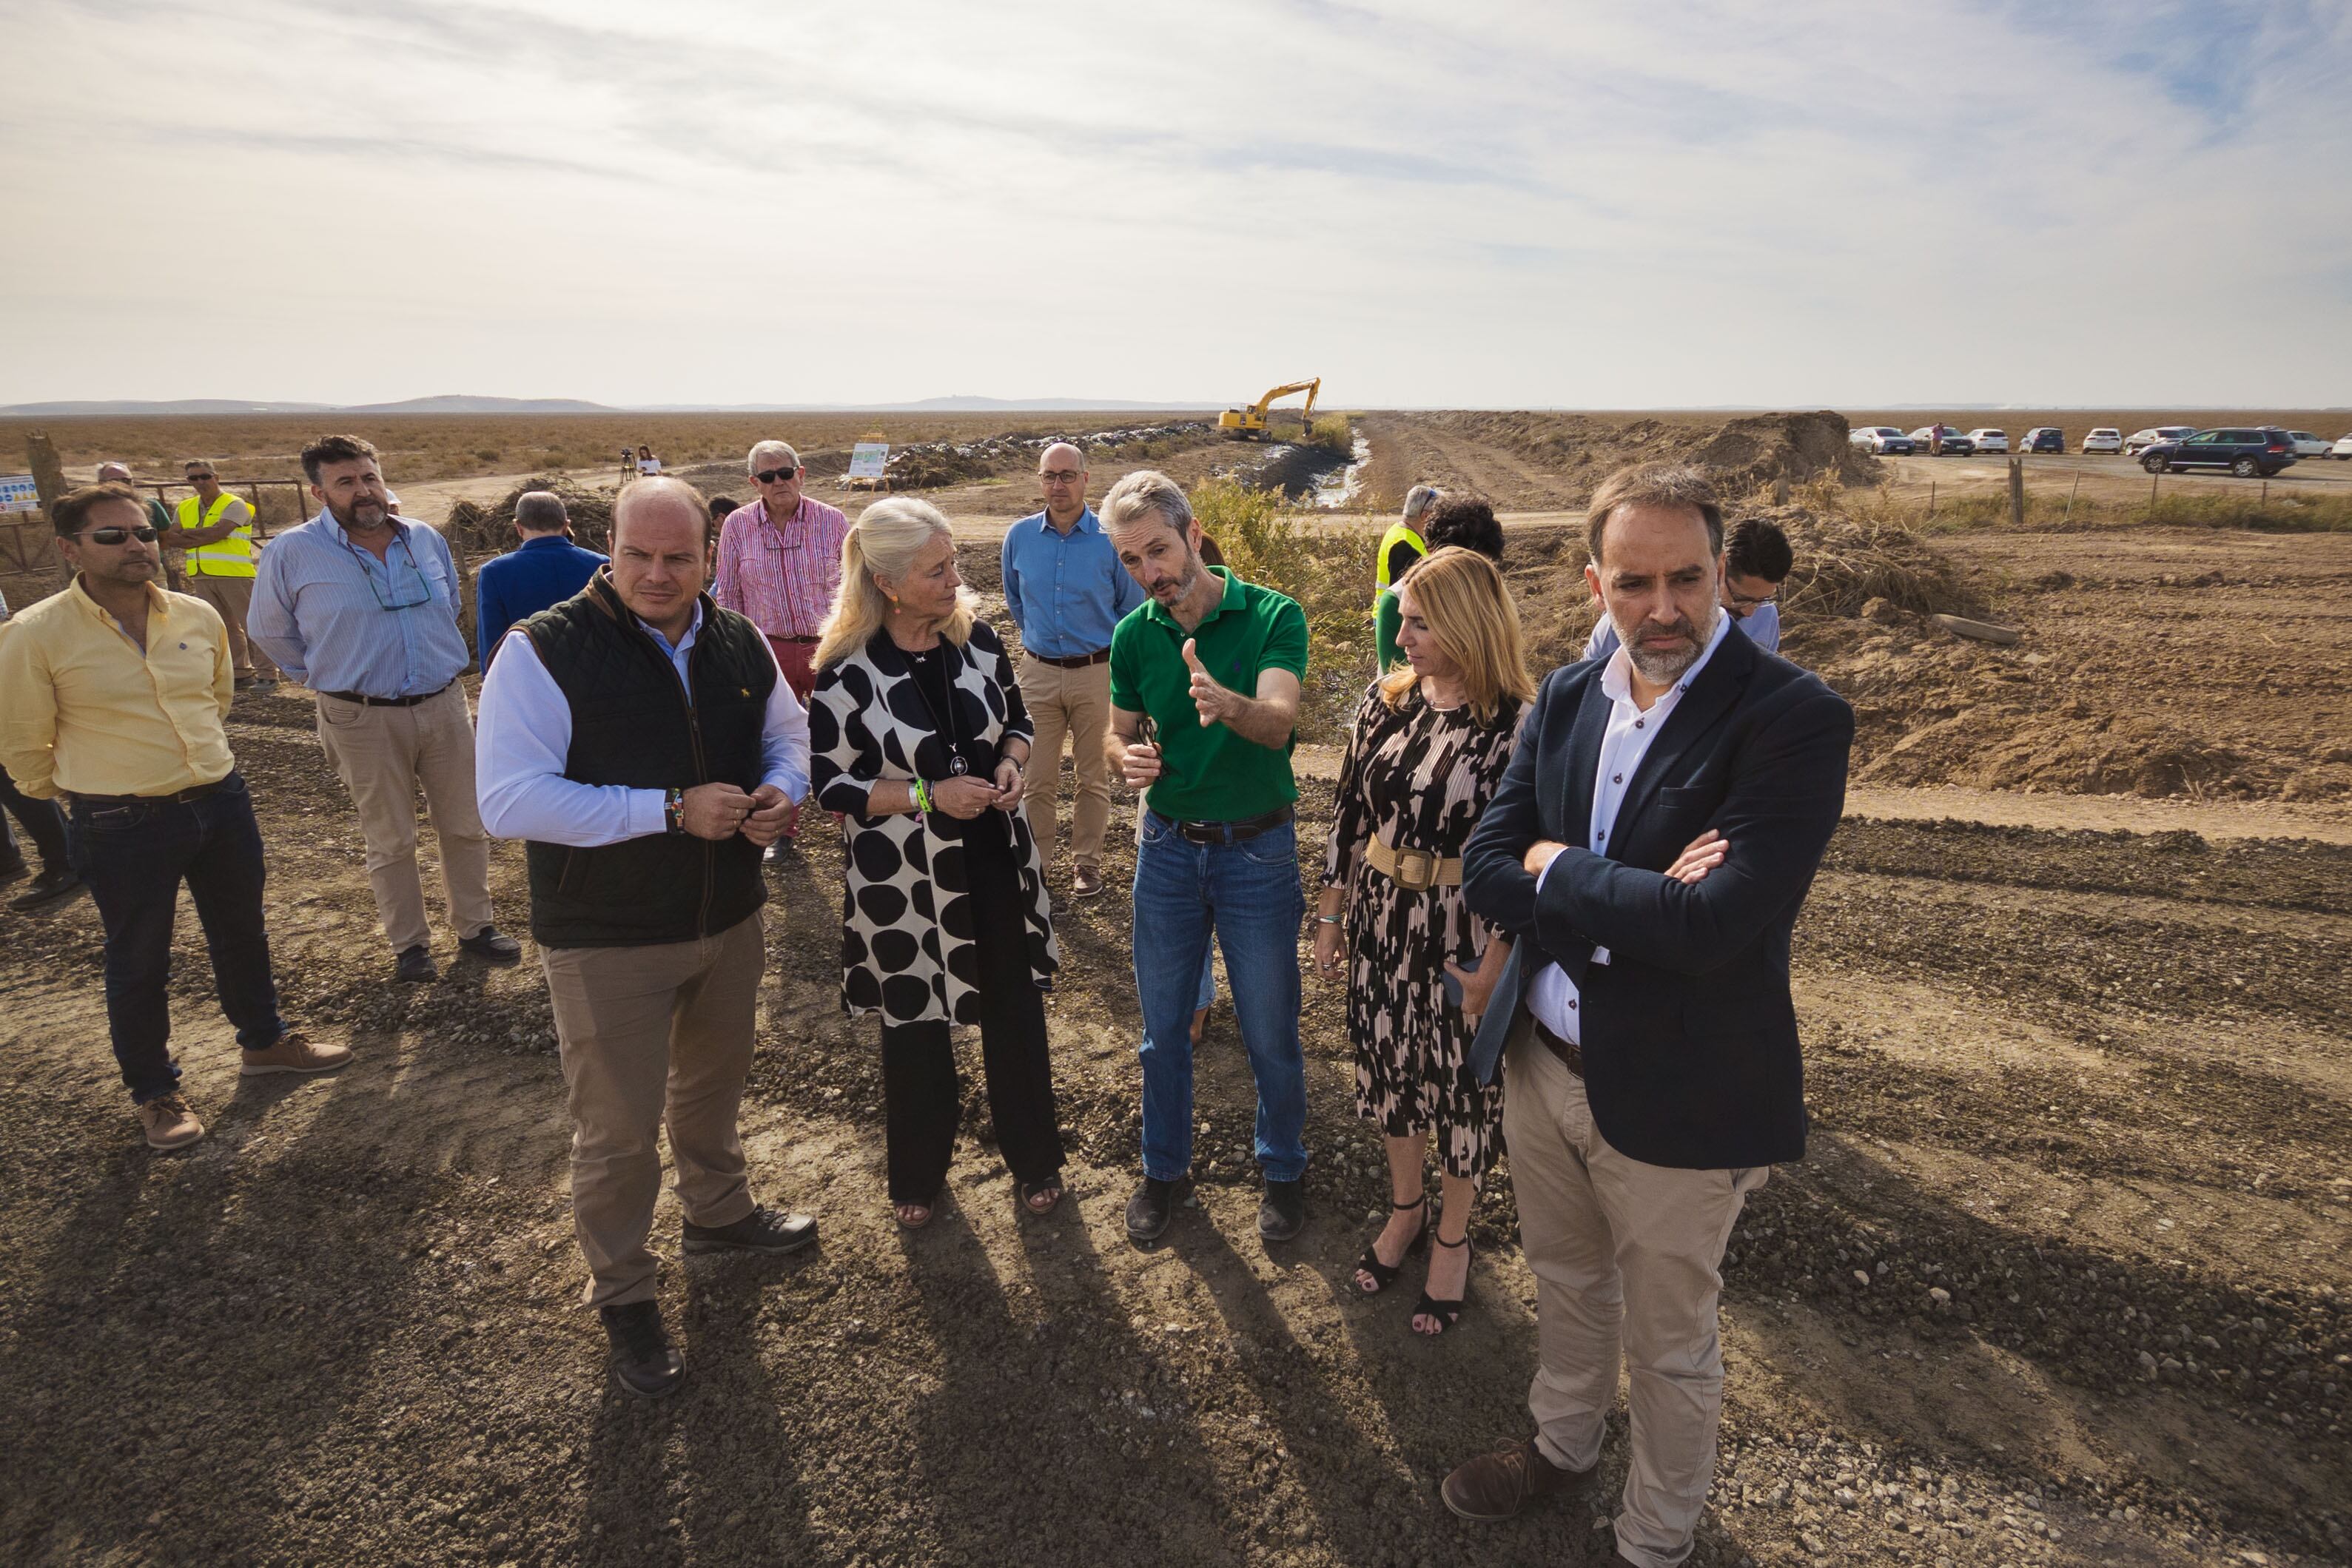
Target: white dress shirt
x: 523, y: 733
x: 1553, y: 997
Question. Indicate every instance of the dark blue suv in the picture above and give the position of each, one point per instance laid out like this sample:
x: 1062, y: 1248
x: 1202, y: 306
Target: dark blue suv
x: 2247, y: 452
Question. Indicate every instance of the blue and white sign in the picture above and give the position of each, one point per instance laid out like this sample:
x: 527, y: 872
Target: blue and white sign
x: 18, y: 493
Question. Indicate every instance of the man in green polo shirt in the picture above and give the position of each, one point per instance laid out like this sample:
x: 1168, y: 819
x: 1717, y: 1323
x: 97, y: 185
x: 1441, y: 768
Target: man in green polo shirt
x: 1204, y: 680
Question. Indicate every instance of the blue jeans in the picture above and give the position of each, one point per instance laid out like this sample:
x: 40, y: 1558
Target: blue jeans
x: 134, y: 858
x: 1247, y: 894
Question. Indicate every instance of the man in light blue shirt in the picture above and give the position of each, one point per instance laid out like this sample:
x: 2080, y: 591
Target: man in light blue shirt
x: 361, y: 606
x: 1756, y: 560
x: 1066, y: 589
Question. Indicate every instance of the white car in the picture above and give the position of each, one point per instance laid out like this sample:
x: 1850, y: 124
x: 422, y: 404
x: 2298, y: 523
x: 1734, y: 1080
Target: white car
x: 2307, y: 444
x: 2139, y: 440
x: 1882, y: 439
x: 1989, y: 440
x: 2343, y: 448
x: 2103, y: 439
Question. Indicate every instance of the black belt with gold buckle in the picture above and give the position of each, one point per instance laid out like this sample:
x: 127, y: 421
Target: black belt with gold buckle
x: 366, y: 701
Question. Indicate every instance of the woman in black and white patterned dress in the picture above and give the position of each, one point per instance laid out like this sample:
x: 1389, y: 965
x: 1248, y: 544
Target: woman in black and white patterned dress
x: 917, y: 736
x: 1432, y: 742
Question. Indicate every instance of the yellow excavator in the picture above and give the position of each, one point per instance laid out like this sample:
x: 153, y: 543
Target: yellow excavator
x: 1249, y: 423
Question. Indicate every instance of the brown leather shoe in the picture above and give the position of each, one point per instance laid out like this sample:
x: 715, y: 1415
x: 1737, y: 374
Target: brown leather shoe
x: 294, y: 1054
x: 1086, y: 881
x: 169, y: 1123
x: 1498, y: 1485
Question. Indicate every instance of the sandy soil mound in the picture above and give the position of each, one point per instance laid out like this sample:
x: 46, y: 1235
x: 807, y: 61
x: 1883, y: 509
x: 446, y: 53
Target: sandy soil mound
x: 489, y: 530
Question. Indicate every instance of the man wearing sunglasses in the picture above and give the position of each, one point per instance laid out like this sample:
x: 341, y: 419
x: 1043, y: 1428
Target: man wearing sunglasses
x: 217, y: 530
x: 116, y: 694
x: 780, y: 565
x: 361, y: 607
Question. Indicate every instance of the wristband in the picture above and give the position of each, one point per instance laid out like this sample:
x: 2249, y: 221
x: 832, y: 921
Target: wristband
x: 674, y: 810
x: 922, y: 797
x: 1329, y: 920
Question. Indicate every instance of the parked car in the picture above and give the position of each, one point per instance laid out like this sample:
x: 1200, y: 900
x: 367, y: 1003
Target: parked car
x: 1954, y: 444
x: 2343, y: 447
x: 2246, y: 451
x: 2042, y: 438
x: 2139, y: 440
x: 1985, y: 439
x: 2307, y: 444
x: 2107, y: 438
x: 1883, y: 439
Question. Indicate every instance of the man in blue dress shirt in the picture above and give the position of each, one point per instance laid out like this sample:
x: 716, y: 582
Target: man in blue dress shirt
x: 361, y: 606
x: 1066, y: 590
x: 545, y: 569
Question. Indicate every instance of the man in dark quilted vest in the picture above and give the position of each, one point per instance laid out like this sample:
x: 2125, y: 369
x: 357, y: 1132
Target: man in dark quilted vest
x: 640, y: 741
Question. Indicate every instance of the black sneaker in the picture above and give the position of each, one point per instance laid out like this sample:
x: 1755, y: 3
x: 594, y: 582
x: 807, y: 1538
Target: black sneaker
x: 50, y: 887
x: 1152, y: 1208
x: 643, y: 1363
x: 14, y: 868
x: 762, y: 1230
x: 415, y: 965
x: 1282, y: 1212
x: 490, y: 948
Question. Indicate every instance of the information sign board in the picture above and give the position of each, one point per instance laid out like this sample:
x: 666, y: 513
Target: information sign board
x: 869, y: 459
x: 18, y: 493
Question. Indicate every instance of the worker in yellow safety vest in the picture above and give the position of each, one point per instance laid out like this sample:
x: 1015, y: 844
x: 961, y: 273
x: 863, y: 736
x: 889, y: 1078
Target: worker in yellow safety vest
x: 1403, y: 544
x: 217, y: 530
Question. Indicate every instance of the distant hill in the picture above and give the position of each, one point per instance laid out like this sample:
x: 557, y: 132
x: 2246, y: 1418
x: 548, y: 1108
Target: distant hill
x: 451, y: 403
x: 119, y: 410
x: 466, y: 403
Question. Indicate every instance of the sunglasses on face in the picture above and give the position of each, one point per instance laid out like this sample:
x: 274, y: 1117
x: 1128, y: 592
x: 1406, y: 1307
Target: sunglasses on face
x: 144, y: 533
x: 200, y: 478
x: 771, y: 475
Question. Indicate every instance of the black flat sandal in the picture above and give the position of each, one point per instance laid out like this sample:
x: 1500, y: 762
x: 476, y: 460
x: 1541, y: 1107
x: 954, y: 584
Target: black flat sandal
x: 1447, y: 1313
x: 1383, y: 1274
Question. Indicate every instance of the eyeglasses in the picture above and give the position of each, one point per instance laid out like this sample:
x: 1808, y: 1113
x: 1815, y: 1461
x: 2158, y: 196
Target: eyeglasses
x: 1061, y: 476
x: 1753, y: 600
x: 145, y: 534
x: 399, y: 600
x: 769, y: 476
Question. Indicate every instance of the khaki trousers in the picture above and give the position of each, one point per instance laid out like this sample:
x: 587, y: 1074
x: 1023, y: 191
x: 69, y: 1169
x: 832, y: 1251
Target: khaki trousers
x: 233, y: 597
x: 654, y: 1035
x: 382, y: 755
x: 1072, y: 704
x: 1620, y: 1250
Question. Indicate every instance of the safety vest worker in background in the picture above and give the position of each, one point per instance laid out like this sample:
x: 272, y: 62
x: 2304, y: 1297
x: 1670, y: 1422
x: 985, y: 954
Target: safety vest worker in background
x: 1400, y: 547
x: 217, y: 530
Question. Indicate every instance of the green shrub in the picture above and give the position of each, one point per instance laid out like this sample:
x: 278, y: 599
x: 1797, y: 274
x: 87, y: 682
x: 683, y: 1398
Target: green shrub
x: 1327, y: 567
x: 1332, y: 431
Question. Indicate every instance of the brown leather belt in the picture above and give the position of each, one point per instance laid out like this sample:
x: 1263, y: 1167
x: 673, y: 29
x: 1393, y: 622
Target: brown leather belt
x: 1415, y: 871
x: 386, y: 702
x: 1570, y: 1056
x: 1076, y: 662
x: 1229, y: 832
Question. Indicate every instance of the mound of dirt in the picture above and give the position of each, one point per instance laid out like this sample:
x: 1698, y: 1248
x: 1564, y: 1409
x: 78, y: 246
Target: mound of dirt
x: 489, y: 530
x: 1751, y: 452
x: 1997, y: 747
x: 934, y: 465
x: 1525, y: 459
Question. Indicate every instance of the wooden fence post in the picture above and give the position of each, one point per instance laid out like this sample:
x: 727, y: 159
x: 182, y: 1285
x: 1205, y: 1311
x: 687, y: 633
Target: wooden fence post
x: 2070, y: 498
x: 1931, y: 498
x: 2154, y: 475
x: 49, y: 483
x: 2017, y: 492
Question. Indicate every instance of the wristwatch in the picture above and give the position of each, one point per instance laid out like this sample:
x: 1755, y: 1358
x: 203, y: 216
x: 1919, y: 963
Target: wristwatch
x: 674, y: 810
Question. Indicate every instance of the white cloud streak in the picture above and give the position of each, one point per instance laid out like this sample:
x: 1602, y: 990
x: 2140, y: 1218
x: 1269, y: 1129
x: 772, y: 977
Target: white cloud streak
x: 1476, y: 204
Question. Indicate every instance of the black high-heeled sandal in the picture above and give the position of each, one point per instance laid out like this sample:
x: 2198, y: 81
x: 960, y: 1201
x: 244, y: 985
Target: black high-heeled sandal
x: 1383, y: 1274
x: 1447, y: 1313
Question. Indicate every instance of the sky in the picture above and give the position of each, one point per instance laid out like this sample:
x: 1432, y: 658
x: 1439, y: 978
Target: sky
x: 1460, y: 204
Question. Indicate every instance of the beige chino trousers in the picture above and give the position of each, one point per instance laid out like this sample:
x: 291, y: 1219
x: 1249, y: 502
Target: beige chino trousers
x: 1621, y: 1251
x: 383, y: 755
x: 233, y: 597
x: 653, y: 1036
x: 1073, y: 704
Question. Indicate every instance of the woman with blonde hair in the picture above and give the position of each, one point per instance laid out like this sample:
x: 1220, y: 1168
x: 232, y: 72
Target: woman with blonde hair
x: 1431, y: 743
x: 917, y: 736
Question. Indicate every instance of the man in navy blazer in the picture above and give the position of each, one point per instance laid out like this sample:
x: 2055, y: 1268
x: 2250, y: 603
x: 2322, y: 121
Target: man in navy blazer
x: 1650, y: 847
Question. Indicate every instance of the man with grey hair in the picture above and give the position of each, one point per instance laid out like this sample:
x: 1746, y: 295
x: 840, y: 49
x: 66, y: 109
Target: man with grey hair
x: 1066, y: 590
x: 545, y: 569
x: 1205, y: 684
x: 779, y: 566
x: 1403, y: 544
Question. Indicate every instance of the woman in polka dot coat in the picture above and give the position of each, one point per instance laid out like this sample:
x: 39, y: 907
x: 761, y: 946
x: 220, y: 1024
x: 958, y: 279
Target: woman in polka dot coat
x: 917, y: 736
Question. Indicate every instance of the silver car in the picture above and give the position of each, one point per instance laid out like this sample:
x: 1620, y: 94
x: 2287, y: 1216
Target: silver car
x: 2139, y: 440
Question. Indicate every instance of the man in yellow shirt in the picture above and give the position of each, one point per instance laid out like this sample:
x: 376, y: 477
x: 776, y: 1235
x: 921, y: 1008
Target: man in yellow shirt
x: 116, y: 694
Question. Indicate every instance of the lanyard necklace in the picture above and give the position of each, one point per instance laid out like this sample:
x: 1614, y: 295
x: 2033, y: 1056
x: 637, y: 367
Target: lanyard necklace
x: 943, y: 726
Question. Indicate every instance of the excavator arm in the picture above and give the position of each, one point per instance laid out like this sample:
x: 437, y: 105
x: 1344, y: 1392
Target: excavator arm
x: 1250, y: 421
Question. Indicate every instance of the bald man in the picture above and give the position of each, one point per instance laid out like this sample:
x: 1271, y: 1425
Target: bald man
x: 1066, y: 590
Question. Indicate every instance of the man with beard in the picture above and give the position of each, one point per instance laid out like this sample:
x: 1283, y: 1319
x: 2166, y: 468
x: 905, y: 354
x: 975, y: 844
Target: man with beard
x: 361, y: 607
x: 117, y: 691
x: 1213, y: 665
x: 1650, y: 847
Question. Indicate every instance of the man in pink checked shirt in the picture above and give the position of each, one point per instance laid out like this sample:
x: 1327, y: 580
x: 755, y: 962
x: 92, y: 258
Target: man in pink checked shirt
x: 780, y: 564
